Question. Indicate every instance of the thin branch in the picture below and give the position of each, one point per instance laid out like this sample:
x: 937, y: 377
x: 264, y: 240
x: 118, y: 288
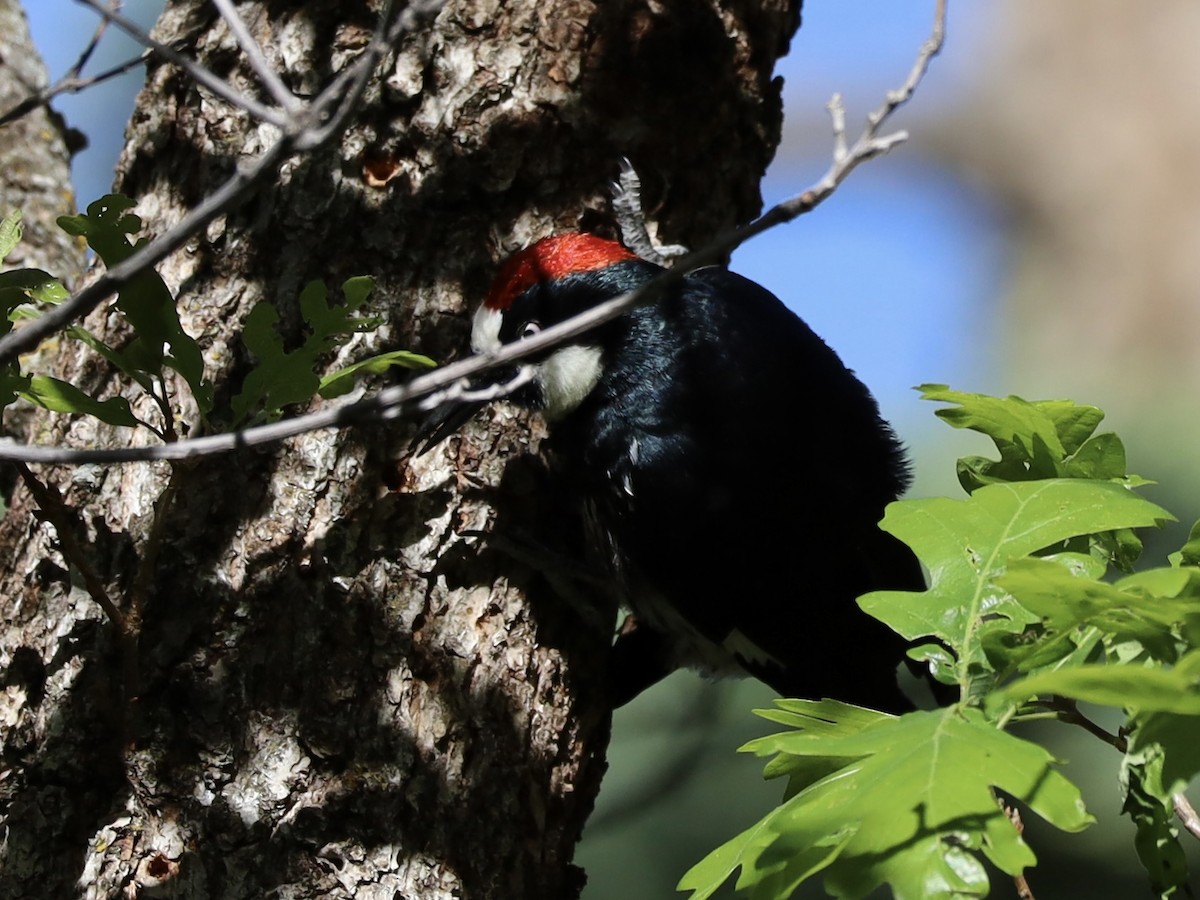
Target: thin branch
x: 102, y: 26
x: 198, y: 72
x: 421, y: 393
x: 1024, y: 891
x: 1187, y: 814
x: 69, y: 84
x: 346, y: 90
x: 356, y: 76
x: 258, y: 62
x: 1068, y: 711
x: 931, y: 48
x: 462, y: 391
x: 870, y: 143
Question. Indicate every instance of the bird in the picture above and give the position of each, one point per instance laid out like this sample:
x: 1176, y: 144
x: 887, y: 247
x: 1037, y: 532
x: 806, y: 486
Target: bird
x: 730, y: 470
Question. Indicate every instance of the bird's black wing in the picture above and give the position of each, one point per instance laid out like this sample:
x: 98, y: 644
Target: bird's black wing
x: 744, y: 471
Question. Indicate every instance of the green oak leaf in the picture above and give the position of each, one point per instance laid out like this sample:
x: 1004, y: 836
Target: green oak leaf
x: 145, y: 300
x: 1152, y: 608
x: 282, y: 377
x: 966, y: 544
x: 911, y: 805
x: 1140, y: 688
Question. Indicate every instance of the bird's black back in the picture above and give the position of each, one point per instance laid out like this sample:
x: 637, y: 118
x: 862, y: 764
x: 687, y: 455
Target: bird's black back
x: 740, y: 469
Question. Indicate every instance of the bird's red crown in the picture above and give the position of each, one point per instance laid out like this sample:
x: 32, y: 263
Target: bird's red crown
x: 551, y: 258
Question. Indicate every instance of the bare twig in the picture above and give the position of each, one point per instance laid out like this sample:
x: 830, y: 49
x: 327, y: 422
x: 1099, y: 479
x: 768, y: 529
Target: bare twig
x: 341, y: 102
x: 1187, y: 814
x: 461, y: 391
x: 422, y: 392
x: 1024, y: 891
x: 198, y: 72
x: 931, y: 48
x: 267, y: 75
x: 69, y: 84
x: 102, y: 26
x: 1068, y: 711
x: 73, y: 81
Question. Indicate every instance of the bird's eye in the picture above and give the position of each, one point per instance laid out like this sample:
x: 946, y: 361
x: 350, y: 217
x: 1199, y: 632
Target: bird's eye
x: 529, y: 329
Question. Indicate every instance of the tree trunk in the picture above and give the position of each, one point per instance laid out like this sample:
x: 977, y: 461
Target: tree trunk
x: 334, y: 686
x: 35, y: 161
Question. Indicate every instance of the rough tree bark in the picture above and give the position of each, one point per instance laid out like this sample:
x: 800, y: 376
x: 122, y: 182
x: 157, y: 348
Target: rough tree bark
x: 335, y: 688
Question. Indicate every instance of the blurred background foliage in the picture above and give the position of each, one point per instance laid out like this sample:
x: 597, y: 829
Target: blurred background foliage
x: 1036, y: 236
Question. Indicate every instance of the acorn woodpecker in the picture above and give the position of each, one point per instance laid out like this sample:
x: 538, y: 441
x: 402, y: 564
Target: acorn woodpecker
x: 731, y: 472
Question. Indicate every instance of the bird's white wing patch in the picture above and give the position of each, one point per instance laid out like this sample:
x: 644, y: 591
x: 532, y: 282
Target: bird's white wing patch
x: 743, y: 648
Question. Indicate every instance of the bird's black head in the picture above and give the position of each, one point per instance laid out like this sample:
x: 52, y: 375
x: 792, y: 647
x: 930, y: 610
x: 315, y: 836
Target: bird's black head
x: 540, y: 286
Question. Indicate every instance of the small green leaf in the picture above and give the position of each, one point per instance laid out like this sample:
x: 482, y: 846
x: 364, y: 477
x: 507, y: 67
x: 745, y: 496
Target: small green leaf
x: 939, y: 661
x: 1040, y: 434
x: 283, y: 378
x: 25, y: 279
x: 812, y: 717
x: 10, y: 233
x: 1143, y: 689
x: 76, y: 225
x: 118, y: 358
x: 1123, y: 612
x: 1189, y: 553
x: 10, y: 303
x: 790, y: 865
x: 12, y: 384
x: 23, y: 286
x: 279, y: 378
x: 145, y: 300
x: 1100, y: 457
x: 326, y: 321
x: 1156, y: 840
x: 59, y: 396
x: 340, y: 382
x: 1169, y: 741
x: 356, y: 290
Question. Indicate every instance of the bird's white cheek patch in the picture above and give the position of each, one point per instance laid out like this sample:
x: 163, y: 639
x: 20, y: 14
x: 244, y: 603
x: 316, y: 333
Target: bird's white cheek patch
x: 485, y: 331
x: 568, y: 377
x: 744, y: 648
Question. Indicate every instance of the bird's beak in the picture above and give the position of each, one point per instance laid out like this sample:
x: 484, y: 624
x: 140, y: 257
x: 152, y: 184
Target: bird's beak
x: 443, y: 421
